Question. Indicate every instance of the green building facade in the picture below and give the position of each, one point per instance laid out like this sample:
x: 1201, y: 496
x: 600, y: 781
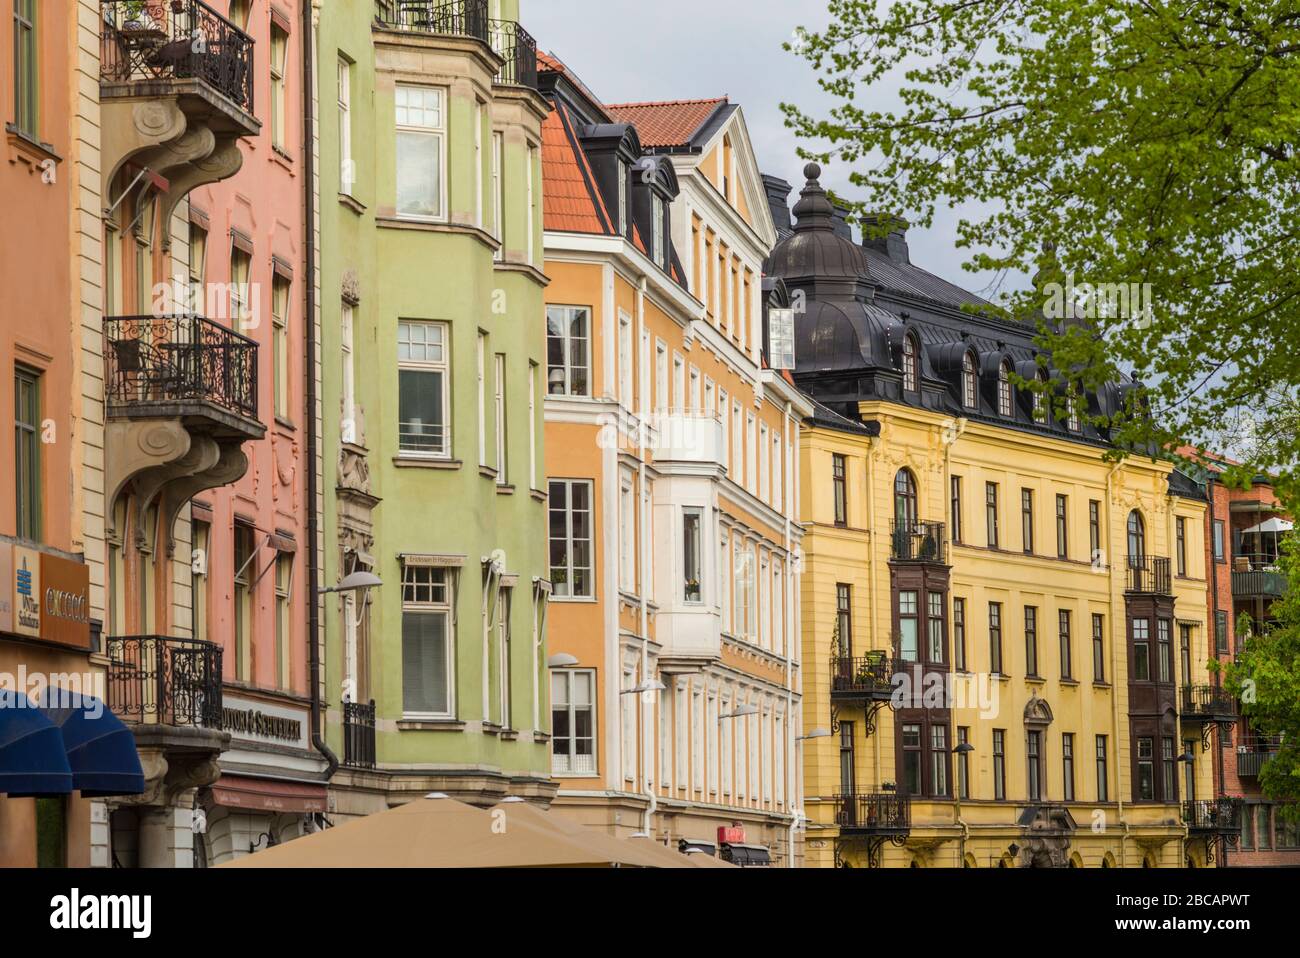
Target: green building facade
x: 432, y: 346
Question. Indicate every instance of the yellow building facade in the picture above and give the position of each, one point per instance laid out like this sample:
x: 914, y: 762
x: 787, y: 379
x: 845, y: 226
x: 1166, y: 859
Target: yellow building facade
x: 671, y: 470
x: 998, y: 622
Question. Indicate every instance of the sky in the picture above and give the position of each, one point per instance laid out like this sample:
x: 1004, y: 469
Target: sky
x: 628, y: 51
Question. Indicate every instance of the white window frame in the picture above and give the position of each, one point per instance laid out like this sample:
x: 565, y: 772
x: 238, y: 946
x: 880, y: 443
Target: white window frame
x: 557, y: 586
x: 499, y: 400
x: 348, y: 422
x: 437, y: 132
x: 567, y: 768
x: 625, y: 374
x: 626, y: 534
x: 427, y: 365
x: 430, y: 606
x: 498, y: 192
x: 566, y: 315
x: 347, y: 166
x: 481, y: 373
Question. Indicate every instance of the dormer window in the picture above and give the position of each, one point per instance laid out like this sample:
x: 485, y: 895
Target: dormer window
x: 911, y: 374
x: 657, y: 249
x: 1040, y: 402
x: 622, y: 197
x: 1072, y: 417
x: 969, y: 393
x: 1004, y: 390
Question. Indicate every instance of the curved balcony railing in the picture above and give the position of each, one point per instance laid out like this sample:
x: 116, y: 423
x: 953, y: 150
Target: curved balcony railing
x: 176, y: 40
x: 877, y: 813
x: 179, y: 358
x: 917, y: 542
x: 1208, y: 703
x: 517, y: 47
x: 467, y: 18
x: 164, y: 680
x: 1222, y: 815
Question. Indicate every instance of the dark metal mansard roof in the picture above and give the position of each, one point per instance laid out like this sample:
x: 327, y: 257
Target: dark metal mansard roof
x: 861, y: 303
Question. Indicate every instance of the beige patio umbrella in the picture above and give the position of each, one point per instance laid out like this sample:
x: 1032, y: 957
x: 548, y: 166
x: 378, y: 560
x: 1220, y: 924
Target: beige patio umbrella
x: 693, y: 860
x: 434, y: 832
x: 640, y: 852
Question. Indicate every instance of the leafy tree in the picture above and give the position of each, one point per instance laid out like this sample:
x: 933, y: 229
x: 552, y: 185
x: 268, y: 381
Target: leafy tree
x: 1149, y: 146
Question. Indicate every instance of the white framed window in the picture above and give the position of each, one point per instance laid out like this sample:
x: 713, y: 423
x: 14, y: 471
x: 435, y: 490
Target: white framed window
x: 662, y: 402
x: 347, y: 167
x: 280, y: 344
x: 532, y: 425
x: 697, y: 741
x: 568, y: 351
x: 681, y: 727
x: 778, y: 747
x: 643, y: 375
x: 421, y: 151
x: 424, y: 415
x: 692, y: 555
x: 778, y: 473
x: 753, y: 737
x: 710, y: 397
x: 665, y: 737
x: 711, y: 734
x: 696, y: 401
x: 623, y: 174
x: 764, y: 464
x: 626, y: 535
x: 480, y: 360
x: 279, y: 64
x: 628, y: 737
x: 741, y: 725
x: 504, y: 710
x: 658, y: 250
x: 530, y: 173
x: 778, y: 608
x: 679, y: 383
x: 570, y: 538
x: 751, y: 454
x: 764, y: 603
x: 427, y: 642
x: 348, y: 424
x: 478, y: 162
x: 573, y: 722
x: 727, y: 757
x: 726, y: 433
x: 625, y: 359
x: 724, y: 579
x: 737, y: 444
x: 498, y: 191
x: 745, y: 623
x: 499, y: 405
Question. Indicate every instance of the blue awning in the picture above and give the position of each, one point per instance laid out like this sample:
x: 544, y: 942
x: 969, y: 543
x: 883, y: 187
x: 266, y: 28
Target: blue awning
x: 32, y: 756
x: 100, y: 749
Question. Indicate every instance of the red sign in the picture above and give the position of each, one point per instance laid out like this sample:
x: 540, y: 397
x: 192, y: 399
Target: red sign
x: 731, y: 835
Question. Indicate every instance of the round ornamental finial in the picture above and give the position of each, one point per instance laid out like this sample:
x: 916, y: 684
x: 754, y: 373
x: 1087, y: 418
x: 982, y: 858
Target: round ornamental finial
x: 812, y: 172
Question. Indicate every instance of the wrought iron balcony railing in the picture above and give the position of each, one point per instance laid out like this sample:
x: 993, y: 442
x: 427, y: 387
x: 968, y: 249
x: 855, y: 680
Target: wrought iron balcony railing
x: 163, y: 680
x: 517, y: 47
x: 153, y: 360
x: 1208, y: 703
x: 359, y: 734
x: 1222, y: 815
x: 1149, y: 575
x: 149, y: 40
x: 917, y: 542
x: 861, y: 676
x: 467, y: 18
x: 877, y: 813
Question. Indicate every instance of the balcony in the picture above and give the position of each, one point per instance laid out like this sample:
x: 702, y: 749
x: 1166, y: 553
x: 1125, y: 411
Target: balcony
x: 861, y: 678
x: 163, y: 46
x: 168, y: 690
x: 1254, y: 753
x: 687, y: 437
x: 883, y: 814
x: 181, y: 365
x: 1213, y: 816
x: 467, y: 18
x: 1208, y: 703
x: 917, y: 542
x: 1148, y: 575
x: 359, y: 734
x: 1258, y: 582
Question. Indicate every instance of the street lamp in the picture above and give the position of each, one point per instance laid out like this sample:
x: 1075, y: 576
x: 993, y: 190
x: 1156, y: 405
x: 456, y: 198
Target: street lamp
x: 561, y: 660
x: 961, y: 751
x: 651, y: 685
x: 357, y: 581
x: 815, y: 733
x: 740, y: 711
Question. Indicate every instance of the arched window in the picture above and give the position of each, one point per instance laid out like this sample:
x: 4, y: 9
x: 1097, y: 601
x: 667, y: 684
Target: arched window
x: 905, y: 499
x: 1137, y: 538
x: 1040, y: 401
x: 969, y: 394
x: 1004, y: 389
x: 911, y: 373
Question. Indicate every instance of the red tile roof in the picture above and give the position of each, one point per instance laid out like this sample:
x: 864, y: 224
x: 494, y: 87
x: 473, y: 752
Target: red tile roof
x: 668, y: 123
x: 570, y: 204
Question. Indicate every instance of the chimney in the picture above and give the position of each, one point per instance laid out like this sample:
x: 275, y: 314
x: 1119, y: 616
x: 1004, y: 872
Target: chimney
x: 841, y: 227
x: 778, y: 201
x: 894, y: 243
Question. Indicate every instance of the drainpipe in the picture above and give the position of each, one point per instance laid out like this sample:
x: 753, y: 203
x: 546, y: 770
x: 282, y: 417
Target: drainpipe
x: 311, y: 418
x: 644, y: 507
x: 794, y: 764
x: 1114, y: 668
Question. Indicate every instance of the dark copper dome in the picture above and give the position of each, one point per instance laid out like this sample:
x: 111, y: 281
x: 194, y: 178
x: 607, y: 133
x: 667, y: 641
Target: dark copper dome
x: 814, y: 254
